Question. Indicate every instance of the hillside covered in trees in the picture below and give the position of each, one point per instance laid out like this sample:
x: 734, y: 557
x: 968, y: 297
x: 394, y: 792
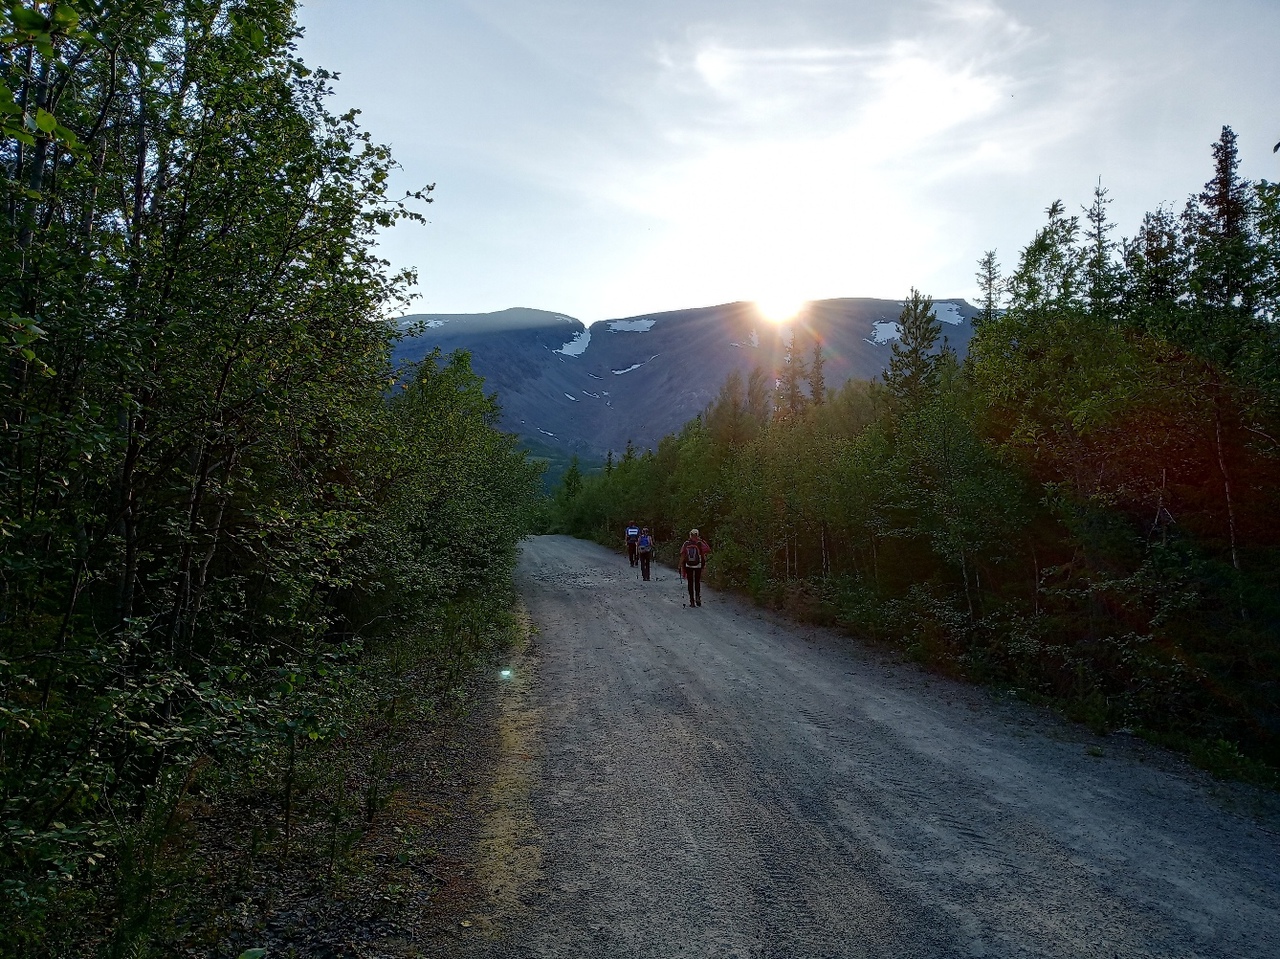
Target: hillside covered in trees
x: 1084, y: 510
x: 213, y: 514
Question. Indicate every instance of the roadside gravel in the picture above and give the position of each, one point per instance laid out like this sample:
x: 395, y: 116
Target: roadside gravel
x: 719, y: 782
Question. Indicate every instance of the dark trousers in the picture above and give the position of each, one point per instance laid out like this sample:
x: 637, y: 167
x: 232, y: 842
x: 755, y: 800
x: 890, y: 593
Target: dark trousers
x: 631, y: 553
x: 645, y: 558
x: 693, y: 576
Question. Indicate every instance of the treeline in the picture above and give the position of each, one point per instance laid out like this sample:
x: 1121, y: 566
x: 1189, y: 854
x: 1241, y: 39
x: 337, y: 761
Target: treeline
x: 1084, y: 509
x: 210, y: 501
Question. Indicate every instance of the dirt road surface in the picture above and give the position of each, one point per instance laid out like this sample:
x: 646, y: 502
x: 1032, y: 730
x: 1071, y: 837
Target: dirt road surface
x: 718, y: 782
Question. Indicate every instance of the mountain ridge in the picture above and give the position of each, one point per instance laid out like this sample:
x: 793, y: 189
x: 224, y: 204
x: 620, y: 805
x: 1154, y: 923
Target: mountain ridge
x: 568, y: 387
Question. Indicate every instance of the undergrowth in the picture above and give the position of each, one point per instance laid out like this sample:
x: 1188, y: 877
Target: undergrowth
x: 213, y: 853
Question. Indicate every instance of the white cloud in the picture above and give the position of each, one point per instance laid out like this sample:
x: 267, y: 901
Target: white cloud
x: 803, y: 171
x: 613, y: 159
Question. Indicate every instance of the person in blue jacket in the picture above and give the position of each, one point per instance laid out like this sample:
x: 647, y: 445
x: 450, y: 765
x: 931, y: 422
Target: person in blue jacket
x: 644, y: 547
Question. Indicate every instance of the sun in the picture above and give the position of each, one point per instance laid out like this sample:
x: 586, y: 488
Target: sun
x: 777, y: 309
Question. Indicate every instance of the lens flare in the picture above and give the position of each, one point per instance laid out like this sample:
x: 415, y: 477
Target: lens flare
x: 777, y: 309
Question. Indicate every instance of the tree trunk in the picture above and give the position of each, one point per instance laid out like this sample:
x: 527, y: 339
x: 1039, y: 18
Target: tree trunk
x: 1226, y: 492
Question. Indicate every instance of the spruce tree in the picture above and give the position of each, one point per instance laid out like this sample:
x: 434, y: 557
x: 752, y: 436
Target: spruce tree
x: 912, y: 372
x: 758, y: 396
x: 572, y: 481
x: 1224, y: 262
x: 817, y: 381
x: 1154, y: 276
x: 990, y: 288
x: 791, y: 399
x: 1101, y: 272
x: 726, y: 418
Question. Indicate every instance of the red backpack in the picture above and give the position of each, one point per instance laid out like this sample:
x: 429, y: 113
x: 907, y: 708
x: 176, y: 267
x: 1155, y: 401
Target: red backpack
x: 692, y: 555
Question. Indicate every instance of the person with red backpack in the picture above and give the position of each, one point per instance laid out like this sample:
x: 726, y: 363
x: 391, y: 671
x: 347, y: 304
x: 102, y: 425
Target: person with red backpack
x: 693, y: 558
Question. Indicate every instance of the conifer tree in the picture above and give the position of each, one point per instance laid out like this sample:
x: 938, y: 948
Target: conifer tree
x: 572, y: 482
x: 817, y: 382
x: 1101, y: 272
x: 912, y: 369
x: 1154, y: 276
x: 1221, y: 326
x: 1224, y: 262
x: 990, y: 288
x: 791, y: 399
x: 726, y: 418
x: 758, y: 394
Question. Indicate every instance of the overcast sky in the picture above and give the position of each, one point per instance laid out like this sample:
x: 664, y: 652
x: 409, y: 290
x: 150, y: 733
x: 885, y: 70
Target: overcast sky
x: 608, y: 158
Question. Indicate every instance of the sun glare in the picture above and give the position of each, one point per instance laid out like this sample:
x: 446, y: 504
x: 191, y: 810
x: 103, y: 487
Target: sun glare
x: 778, y: 309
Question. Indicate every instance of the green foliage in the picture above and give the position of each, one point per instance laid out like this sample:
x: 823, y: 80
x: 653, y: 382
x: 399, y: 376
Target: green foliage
x: 912, y: 374
x: 990, y: 288
x: 1082, y: 511
x: 208, y: 501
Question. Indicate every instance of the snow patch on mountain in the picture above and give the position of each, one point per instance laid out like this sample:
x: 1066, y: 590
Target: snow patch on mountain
x: 413, y: 322
x: 635, y: 366
x: 884, y: 331
x: 631, y: 326
x: 572, y: 397
x: 577, y: 345
x: 544, y: 432
x: 948, y: 313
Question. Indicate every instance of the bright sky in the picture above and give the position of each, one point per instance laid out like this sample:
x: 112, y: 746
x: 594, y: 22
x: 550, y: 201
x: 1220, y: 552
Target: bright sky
x: 609, y: 158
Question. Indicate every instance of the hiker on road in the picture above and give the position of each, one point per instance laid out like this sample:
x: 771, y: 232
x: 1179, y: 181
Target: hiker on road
x: 633, y: 535
x: 693, y: 557
x: 644, y: 546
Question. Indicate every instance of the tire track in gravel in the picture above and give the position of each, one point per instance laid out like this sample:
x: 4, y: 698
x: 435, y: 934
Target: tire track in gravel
x: 717, y: 782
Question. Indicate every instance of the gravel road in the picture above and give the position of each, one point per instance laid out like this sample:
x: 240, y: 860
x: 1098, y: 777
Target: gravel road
x: 718, y: 782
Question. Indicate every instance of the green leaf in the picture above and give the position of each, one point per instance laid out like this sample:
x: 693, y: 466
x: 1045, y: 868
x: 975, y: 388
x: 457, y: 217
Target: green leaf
x: 67, y: 137
x: 45, y: 120
x: 65, y: 16
x: 27, y: 20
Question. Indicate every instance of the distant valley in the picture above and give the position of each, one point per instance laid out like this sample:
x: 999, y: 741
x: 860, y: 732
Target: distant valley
x: 566, y: 388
